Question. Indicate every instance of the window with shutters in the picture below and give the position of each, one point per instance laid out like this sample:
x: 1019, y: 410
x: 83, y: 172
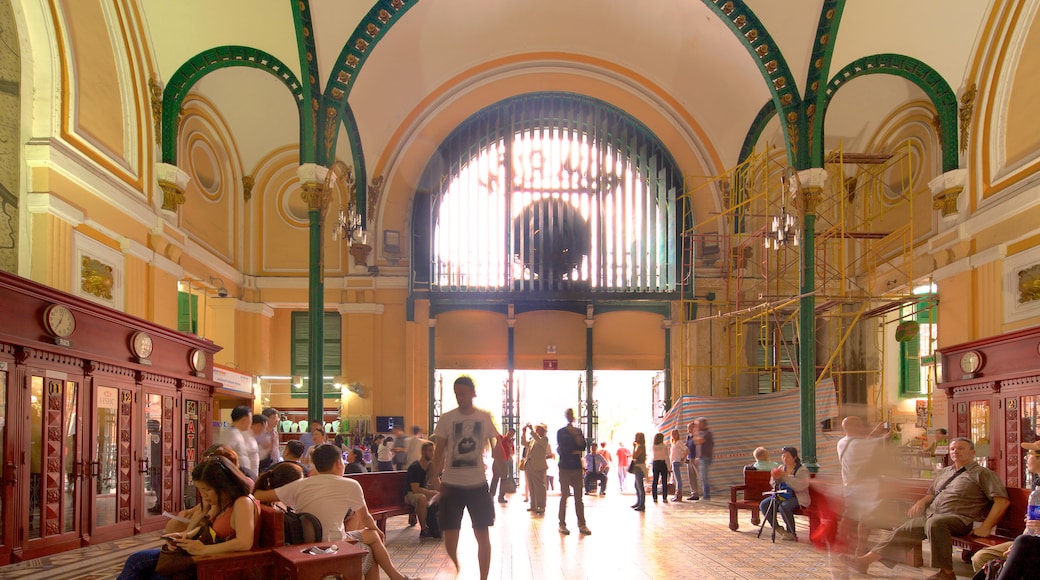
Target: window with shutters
x: 916, y: 345
x: 187, y: 312
x: 300, y: 353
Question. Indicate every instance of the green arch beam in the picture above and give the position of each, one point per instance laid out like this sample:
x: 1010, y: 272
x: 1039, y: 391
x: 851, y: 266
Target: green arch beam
x: 206, y: 62
x: 777, y: 74
x: 922, y: 75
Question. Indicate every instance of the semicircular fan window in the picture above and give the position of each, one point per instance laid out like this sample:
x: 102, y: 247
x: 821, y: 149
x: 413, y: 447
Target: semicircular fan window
x: 552, y: 192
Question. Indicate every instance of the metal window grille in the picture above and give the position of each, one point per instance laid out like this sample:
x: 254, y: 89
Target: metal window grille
x: 553, y: 192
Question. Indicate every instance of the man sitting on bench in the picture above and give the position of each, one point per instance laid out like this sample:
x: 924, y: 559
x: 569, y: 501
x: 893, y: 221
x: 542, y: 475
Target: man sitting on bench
x: 960, y: 495
x: 332, y: 497
x: 418, y: 495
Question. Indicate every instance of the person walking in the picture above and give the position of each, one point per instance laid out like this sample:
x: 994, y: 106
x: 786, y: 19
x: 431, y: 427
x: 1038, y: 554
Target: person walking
x: 677, y: 455
x: 624, y: 457
x: 536, y: 464
x: 661, y: 455
x: 501, y: 456
x: 460, y: 439
x: 639, y: 470
x: 570, y: 445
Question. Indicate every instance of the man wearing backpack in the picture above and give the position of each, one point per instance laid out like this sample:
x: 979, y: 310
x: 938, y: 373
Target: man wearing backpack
x: 332, y: 497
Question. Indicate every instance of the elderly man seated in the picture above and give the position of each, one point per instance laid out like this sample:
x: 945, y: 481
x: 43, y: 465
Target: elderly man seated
x: 961, y: 494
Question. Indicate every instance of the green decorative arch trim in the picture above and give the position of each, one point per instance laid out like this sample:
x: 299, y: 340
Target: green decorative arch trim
x: 819, y: 67
x: 760, y: 44
x: 922, y: 75
x: 311, y: 87
x: 360, y: 167
x: 762, y: 119
x: 372, y: 28
x: 204, y: 63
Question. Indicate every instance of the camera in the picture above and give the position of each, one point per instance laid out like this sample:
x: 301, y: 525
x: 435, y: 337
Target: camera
x: 222, y: 292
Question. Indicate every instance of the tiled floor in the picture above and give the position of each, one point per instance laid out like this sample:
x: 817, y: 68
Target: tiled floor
x: 672, y: 541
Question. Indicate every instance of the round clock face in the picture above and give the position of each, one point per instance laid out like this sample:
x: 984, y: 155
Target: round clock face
x: 970, y: 361
x: 198, y: 360
x: 59, y: 320
x: 141, y: 344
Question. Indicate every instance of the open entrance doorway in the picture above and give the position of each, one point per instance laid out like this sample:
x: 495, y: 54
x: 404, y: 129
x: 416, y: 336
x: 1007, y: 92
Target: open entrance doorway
x: 624, y: 402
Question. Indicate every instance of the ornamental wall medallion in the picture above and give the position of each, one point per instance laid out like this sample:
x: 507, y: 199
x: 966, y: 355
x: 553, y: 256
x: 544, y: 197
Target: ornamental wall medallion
x: 1029, y: 284
x: 96, y: 278
x: 98, y: 271
x: 1021, y: 285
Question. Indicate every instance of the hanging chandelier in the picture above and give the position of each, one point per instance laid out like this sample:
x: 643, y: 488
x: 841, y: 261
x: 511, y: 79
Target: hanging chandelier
x: 783, y: 228
x: 348, y: 225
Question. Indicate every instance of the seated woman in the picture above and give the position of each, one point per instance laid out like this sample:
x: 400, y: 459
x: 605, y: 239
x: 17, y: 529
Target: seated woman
x: 228, y: 518
x: 282, y: 473
x: 762, y: 462
x: 791, y: 486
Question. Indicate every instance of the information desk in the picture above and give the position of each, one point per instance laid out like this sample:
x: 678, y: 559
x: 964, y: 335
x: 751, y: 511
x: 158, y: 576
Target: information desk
x: 296, y: 564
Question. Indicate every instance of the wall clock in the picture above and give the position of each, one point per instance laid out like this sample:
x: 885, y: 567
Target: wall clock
x: 141, y: 344
x: 197, y: 360
x: 971, y: 361
x: 59, y: 320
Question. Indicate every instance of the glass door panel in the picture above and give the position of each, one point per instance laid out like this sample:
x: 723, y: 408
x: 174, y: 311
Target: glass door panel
x: 55, y: 469
x: 152, y: 453
x: 5, y: 470
x: 106, y: 455
x: 979, y: 430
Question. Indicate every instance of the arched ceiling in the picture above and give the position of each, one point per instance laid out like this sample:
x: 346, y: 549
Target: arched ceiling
x: 683, y: 49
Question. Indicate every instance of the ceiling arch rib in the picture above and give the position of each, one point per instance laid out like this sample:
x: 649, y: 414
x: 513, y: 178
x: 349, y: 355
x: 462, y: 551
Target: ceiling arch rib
x: 366, y: 35
x: 311, y: 86
x: 762, y: 119
x: 761, y: 46
x: 819, y: 68
x: 922, y: 75
x: 206, y: 62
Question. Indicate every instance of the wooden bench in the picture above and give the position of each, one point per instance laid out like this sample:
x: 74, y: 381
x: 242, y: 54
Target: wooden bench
x: 384, y: 494
x: 1007, y: 529
x: 756, y: 484
x: 752, y: 492
x: 258, y: 563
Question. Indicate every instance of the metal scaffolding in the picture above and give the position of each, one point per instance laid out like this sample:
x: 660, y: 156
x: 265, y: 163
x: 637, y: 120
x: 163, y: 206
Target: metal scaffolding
x: 738, y: 333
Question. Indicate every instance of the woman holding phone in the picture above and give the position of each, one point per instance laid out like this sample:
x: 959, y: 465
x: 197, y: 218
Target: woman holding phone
x: 226, y: 524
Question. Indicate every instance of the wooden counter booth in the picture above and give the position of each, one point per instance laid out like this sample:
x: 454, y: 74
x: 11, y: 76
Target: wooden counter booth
x: 993, y: 388
x: 102, y: 416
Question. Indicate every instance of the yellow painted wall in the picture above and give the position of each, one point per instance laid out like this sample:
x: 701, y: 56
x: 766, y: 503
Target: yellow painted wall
x: 956, y: 318
x: 534, y: 331
x: 1022, y: 140
x: 628, y: 341
x: 98, y: 102
x: 471, y: 339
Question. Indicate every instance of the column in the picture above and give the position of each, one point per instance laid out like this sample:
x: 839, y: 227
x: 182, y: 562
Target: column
x: 312, y: 179
x: 812, y: 182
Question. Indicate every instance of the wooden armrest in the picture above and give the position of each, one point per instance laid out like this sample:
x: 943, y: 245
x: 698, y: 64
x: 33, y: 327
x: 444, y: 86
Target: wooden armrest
x: 733, y: 489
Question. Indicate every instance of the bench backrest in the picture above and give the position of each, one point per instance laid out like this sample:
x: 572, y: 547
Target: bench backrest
x: 1014, y: 520
x: 272, y: 528
x: 382, y: 488
x: 756, y: 483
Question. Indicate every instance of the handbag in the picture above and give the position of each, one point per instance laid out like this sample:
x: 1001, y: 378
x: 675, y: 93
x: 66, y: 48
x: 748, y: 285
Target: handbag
x: 175, y: 562
x: 632, y: 468
x: 523, y: 464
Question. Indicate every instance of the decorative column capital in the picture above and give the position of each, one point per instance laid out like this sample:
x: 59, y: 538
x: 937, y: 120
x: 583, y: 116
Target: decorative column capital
x: 946, y: 190
x: 172, y: 180
x: 312, y: 178
x: 812, y: 181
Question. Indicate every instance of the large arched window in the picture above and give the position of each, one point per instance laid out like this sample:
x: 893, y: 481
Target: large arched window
x: 549, y: 193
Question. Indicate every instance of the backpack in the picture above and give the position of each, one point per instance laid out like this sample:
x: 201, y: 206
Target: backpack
x: 301, y: 527
x: 432, y: 523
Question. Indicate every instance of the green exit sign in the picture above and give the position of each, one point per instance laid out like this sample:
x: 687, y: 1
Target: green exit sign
x: 927, y: 361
